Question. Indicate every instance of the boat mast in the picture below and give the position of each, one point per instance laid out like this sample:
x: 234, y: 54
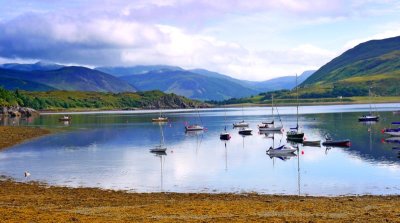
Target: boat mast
x: 297, y: 114
x: 370, y: 101
x: 162, y: 136
x: 272, y: 106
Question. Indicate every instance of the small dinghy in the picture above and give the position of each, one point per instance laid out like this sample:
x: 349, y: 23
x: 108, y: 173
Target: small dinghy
x: 281, y: 150
x: 158, y: 149
x: 392, y: 131
x: 194, y: 127
x: 245, y: 131
x: 314, y: 143
x: 337, y: 143
x: 65, y: 118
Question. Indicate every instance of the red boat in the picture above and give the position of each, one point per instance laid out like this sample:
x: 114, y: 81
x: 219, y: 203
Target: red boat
x: 337, y: 143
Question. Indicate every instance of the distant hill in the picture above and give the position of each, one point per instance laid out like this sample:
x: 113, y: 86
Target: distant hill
x: 140, y: 69
x: 69, y: 78
x: 375, y: 64
x: 189, y: 84
x: 31, y: 67
x: 280, y: 83
x: 12, y: 84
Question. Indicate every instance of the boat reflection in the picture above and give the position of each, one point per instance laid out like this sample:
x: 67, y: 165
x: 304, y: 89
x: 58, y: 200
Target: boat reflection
x: 161, y: 156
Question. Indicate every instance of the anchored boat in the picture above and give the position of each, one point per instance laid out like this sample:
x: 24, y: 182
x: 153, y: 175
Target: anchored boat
x: 369, y: 117
x: 392, y: 131
x: 270, y: 126
x: 294, y: 134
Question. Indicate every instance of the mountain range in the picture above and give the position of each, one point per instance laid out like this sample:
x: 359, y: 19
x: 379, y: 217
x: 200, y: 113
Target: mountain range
x: 196, y: 83
x: 65, y: 78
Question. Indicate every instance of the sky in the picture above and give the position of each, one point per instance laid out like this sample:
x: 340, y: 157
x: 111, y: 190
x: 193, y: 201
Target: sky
x: 251, y: 40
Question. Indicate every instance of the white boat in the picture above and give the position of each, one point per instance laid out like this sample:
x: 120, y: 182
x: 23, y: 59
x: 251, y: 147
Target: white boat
x: 161, y: 118
x: 270, y: 126
x: 65, y: 118
x: 160, y: 148
x: 284, y: 149
x: 194, y: 127
x: 245, y: 131
x: 224, y: 135
x: 369, y: 117
x: 241, y: 123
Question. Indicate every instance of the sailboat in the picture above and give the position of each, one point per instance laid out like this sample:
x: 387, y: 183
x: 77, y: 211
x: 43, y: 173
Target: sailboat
x: 369, y: 117
x: 241, y: 123
x: 295, y: 134
x: 195, y: 127
x: 270, y: 126
x: 161, y: 118
x: 224, y: 135
x: 160, y: 148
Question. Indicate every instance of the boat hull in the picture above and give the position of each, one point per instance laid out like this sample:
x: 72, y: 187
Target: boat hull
x: 368, y: 119
x: 283, y: 151
x: 239, y: 125
x: 270, y: 129
x: 159, y: 120
x: 224, y: 136
x: 392, y: 132
x: 194, y: 128
x: 158, y: 150
x: 337, y: 143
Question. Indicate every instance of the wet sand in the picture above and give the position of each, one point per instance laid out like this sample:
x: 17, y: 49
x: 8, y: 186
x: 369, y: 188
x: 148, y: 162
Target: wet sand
x: 35, y: 202
x: 11, y: 135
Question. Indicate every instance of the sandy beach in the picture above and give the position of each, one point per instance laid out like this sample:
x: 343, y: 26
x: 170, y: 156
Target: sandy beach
x: 37, y: 202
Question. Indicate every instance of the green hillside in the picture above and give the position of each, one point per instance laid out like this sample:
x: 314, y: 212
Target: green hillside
x: 80, y: 100
x: 373, y: 64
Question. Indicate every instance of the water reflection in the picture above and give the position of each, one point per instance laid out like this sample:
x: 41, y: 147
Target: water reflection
x: 111, y: 151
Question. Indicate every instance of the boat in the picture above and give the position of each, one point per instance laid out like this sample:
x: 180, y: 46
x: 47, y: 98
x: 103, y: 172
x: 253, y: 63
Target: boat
x: 284, y: 149
x: 161, y: 118
x: 369, y: 117
x: 294, y: 134
x: 313, y: 143
x: 270, y: 126
x: 392, y: 131
x: 65, y: 118
x: 337, y: 143
x: 224, y: 135
x: 195, y: 127
x: 160, y: 148
x: 245, y: 131
x: 282, y: 157
x: 395, y: 140
x: 241, y: 123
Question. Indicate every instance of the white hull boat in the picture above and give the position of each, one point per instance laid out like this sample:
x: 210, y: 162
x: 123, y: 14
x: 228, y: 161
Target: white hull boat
x: 194, y: 128
x: 240, y: 124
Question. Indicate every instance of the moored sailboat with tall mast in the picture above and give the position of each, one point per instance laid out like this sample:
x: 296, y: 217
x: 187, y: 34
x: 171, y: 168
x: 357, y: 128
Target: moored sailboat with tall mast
x: 195, y: 127
x: 161, y: 148
x: 270, y: 126
x: 369, y: 117
x: 294, y: 134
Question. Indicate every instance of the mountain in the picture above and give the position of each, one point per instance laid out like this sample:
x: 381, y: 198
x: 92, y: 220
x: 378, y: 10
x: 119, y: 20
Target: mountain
x: 280, y: 83
x: 70, y: 78
x: 140, y: 69
x: 31, y: 67
x: 189, y: 84
x: 12, y: 84
x: 375, y: 64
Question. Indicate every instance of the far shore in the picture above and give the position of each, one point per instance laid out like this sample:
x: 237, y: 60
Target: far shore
x: 311, y: 102
x: 38, y: 202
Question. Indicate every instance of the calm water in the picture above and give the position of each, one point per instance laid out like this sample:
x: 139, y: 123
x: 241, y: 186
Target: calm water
x: 111, y: 150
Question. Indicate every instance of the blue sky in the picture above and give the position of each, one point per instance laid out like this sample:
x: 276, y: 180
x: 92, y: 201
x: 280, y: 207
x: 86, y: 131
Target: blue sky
x: 252, y: 40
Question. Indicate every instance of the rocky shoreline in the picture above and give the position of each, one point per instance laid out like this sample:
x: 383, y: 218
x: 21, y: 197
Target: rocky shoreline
x: 17, y: 111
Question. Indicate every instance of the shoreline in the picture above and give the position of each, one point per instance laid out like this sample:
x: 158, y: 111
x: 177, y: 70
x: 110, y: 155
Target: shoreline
x: 40, y: 202
x: 246, y: 105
